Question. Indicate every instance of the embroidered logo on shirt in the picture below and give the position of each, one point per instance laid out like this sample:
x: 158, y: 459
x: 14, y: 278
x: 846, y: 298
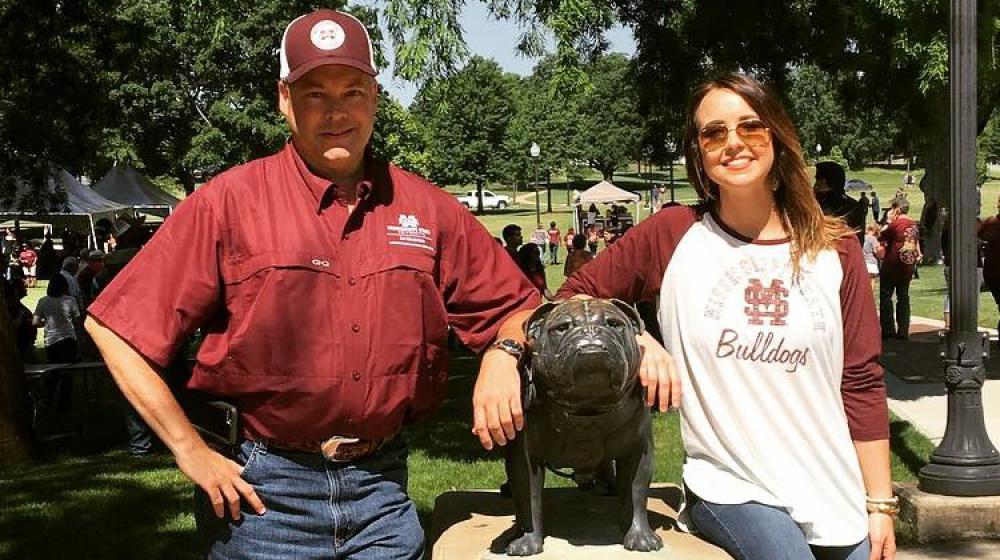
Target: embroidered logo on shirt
x: 766, y: 303
x: 409, y: 233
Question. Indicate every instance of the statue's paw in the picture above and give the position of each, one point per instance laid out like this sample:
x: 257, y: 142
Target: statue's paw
x: 642, y: 540
x: 525, y: 545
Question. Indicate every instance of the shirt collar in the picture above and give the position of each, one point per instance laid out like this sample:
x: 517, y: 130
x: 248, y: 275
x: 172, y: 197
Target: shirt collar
x: 323, y: 190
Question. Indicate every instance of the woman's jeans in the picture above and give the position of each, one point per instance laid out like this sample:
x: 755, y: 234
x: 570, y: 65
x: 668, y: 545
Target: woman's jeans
x: 319, y: 509
x: 754, y: 531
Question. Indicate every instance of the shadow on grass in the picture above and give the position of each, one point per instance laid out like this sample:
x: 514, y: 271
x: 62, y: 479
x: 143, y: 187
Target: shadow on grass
x: 912, y: 449
x: 106, y: 506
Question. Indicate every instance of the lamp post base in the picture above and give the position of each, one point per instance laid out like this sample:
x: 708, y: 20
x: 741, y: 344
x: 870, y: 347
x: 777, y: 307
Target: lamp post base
x: 958, y: 480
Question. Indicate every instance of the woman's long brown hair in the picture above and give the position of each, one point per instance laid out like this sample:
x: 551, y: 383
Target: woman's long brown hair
x: 798, y: 209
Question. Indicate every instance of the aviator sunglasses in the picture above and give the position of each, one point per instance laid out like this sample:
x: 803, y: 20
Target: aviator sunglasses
x: 753, y: 132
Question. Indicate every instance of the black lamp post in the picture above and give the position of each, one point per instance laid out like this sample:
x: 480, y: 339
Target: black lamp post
x: 671, y: 147
x: 535, y: 152
x: 965, y: 463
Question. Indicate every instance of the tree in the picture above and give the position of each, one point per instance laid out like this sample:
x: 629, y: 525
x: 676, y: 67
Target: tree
x: 398, y: 136
x: 611, y: 130
x: 465, y: 118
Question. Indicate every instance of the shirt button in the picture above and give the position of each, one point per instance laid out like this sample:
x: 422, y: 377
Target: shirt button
x: 356, y: 327
x: 356, y: 376
x: 347, y: 236
x: 352, y: 281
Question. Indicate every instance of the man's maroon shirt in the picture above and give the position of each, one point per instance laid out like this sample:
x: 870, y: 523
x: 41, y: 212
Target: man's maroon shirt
x: 316, y: 323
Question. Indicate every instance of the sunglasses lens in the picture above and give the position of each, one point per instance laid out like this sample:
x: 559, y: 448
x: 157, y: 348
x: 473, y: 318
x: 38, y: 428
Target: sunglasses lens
x: 713, y: 137
x: 754, y: 133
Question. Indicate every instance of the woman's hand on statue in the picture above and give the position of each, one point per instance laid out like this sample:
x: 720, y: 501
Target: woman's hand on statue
x: 658, y: 374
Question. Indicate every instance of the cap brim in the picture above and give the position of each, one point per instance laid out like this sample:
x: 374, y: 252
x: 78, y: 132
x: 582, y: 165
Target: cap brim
x: 327, y: 61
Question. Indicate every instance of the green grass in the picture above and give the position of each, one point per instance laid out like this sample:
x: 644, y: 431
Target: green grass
x: 90, y: 500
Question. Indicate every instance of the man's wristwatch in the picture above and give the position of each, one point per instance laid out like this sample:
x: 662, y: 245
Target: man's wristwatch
x: 510, y: 346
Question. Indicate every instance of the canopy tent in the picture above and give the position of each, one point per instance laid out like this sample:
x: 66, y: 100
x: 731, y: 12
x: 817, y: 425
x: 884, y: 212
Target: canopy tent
x: 82, y: 208
x: 124, y: 185
x: 605, y: 193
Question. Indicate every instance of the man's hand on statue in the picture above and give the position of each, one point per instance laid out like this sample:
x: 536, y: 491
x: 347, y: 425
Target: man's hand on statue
x: 220, y: 478
x: 658, y: 374
x: 496, y: 400
x: 882, y: 536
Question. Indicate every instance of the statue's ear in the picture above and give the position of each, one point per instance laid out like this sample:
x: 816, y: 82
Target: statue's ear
x: 533, y: 326
x: 631, y: 313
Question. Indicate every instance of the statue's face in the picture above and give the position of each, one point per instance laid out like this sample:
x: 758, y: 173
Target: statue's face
x: 585, y: 352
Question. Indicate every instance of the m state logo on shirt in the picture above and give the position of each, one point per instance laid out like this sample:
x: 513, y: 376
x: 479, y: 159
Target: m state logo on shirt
x: 409, y: 233
x: 766, y: 303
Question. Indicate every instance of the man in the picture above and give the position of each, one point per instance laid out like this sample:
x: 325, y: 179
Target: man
x: 833, y: 199
x: 989, y: 234
x: 70, y: 267
x: 876, y: 207
x: 902, y: 251
x: 29, y: 261
x: 555, y: 238
x: 512, y: 239
x: 85, y: 276
x: 324, y: 282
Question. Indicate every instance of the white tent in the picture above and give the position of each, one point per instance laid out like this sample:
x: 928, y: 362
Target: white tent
x: 124, y: 185
x: 82, y: 207
x: 605, y: 193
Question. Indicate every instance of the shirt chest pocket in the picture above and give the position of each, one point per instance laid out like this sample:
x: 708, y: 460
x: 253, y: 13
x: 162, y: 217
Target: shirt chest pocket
x: 409, y: 315
x: 282, y: 313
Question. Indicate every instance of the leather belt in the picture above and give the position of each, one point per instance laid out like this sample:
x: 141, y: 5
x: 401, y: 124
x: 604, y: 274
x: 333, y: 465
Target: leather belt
x: 337, y: 449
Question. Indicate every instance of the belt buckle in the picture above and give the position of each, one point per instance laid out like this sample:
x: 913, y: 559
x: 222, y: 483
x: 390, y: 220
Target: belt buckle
x: 330, y: 447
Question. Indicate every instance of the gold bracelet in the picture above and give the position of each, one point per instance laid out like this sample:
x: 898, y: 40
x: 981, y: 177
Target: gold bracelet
x: 887, y: 506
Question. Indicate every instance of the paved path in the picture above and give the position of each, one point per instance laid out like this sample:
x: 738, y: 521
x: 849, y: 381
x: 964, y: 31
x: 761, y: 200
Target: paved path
x: 913, y: 381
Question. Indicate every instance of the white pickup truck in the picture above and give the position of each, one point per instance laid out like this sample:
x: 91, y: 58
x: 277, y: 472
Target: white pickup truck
x: 490, y: 200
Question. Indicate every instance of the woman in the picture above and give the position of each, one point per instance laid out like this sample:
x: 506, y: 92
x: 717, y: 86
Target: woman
x: 568, y: 240
x: 766, y: 312
x: 871, y: 250
x: 58, y: 312
x: 529, y: 258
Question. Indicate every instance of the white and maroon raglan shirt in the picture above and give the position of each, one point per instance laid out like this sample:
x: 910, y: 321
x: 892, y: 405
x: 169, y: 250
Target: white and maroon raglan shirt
x: 779, y: 373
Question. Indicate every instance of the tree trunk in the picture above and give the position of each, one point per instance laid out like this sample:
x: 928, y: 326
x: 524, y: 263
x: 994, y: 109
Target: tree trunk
x: 15, y: 422
x: 936, y: 186
x: 479, y: 196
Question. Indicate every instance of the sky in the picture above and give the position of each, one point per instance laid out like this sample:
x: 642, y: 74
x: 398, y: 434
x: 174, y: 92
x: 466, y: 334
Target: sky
x: 492, y: 39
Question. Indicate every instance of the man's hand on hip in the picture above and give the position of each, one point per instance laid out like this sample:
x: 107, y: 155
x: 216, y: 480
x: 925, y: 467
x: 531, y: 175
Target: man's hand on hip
x: 220, y: 478
x: 496, y: 400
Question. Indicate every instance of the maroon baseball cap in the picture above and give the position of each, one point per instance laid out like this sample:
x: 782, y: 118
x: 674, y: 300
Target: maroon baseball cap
x: 325, y: 37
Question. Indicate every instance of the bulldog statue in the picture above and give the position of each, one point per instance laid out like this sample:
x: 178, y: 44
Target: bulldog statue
x: 584, y: 408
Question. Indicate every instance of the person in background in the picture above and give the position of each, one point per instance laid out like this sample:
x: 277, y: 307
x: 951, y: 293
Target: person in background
x: 865, y: 204
x: 989, y: 234
x: 555, y: 238
x: 570, y: 234
x: 540, y: 237
x: 512, y: 239
x: 876, y: 208
x: 833, y: 199
x: 901, y: 240
x: 592, y: 215
x: 578, y: 256
x: 529, y: 258
x: 592, y: 239
x: 20, y: 317
x: 85, y: 276
x: 59, y: 314
x: 28, y: 259
x: 871, y: 251
x: 787, y: 450
x: 69, y: 269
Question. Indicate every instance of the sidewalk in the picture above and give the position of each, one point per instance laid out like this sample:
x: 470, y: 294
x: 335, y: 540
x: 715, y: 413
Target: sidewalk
x: 913, y: 379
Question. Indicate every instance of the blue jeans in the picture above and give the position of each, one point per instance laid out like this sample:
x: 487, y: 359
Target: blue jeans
x: 318, y: 509
x: 754, y: 531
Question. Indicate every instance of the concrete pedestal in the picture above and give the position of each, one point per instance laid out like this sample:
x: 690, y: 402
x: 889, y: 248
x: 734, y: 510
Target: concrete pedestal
x: 949, y: 518
x: 478, y: 524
